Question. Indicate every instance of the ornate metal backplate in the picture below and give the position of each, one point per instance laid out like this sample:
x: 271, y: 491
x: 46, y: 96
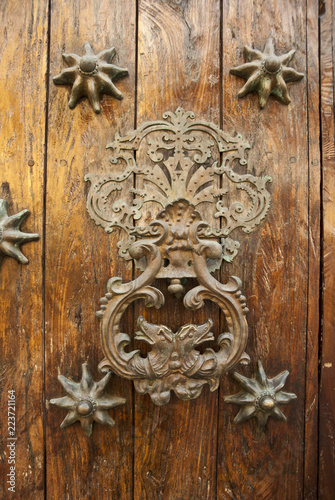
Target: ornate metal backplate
x: 181, y: 166
x: 189, y: 174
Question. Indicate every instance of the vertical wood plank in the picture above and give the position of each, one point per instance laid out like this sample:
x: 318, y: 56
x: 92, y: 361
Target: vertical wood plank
x: 23, y: 57
x: 81, y: 257
x: 327, y: 392
x: 273, y: 260
x: 179, y: 65
x: 312, y: 340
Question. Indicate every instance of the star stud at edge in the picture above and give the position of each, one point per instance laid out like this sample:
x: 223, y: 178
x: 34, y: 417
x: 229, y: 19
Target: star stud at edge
x: 90, y: 75
x: 10, y: 235
x: 261, y: 397
x: 87, y: 401
x: 266, y: 73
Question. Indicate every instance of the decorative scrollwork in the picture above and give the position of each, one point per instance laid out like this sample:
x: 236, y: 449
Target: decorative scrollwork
x: 190, y: 174
x: 180, y: 150
x: 174, y: 363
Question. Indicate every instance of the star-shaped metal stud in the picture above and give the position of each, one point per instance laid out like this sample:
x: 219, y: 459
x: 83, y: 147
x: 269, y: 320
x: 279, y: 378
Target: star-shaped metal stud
x: 261, y: 397
x: 10, y: 235
x: 266, y: 73
x: 87, y: 401
x: 90, y: 75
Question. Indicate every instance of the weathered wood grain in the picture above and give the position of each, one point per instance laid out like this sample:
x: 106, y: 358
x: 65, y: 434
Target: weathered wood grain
x: 273, y: 260
x: 23, y: 57
x: 327, y: 392
x: 80, y: 256
x: 313, y: 319
x: 178, y: 65
x: 184, y: 450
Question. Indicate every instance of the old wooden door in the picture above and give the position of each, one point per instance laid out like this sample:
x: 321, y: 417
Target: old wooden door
x: 178, y: 53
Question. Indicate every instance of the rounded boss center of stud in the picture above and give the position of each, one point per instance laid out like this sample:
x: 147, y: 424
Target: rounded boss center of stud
x: 272, y: 64
x: 267, y: 403
x: 87, y: 64
x: 84, y: 408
